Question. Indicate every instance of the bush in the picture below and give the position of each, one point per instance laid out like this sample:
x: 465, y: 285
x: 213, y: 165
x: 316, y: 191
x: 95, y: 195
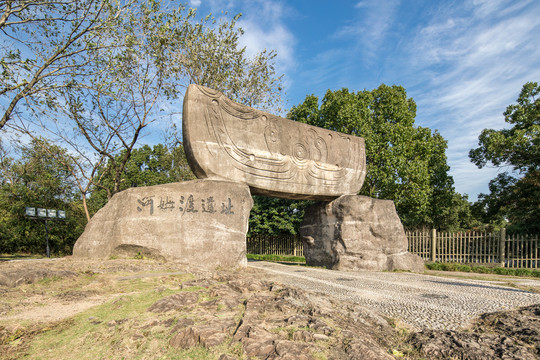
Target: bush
x: 482, y: 269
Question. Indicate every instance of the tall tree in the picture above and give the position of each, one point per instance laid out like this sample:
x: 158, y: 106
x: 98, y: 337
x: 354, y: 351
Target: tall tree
x: 36, y: 179
x: 518, y: 146
x: 516, y: 198
x: 48, y: 46
x: 275, y: 216
x: 405, y: 163
x: 158, y: 50
x: 145, y: 167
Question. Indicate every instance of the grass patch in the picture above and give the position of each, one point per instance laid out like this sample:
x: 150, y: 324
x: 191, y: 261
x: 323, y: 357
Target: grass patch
x: 16, y: 256
x: 276, y: 258
x: 111, y: 330
x: 482, y: 269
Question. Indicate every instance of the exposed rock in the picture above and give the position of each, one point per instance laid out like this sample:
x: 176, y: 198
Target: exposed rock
x: 359, y: 349
x: 29, y: 275
x: 511, y: 334
x: 174, y: 302
x: 208, y: 335
x: 292, y: 350
x: 357, y: 233
x: 270, y: 321
x: 274, y: 156
x: 199, y: 222
x: 258, y: 342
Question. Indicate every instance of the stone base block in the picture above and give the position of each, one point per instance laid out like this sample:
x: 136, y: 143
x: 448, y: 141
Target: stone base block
x: 355, y: 233
x: 200, y: 222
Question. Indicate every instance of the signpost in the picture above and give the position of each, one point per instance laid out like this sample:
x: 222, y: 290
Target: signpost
x: 45, y: 215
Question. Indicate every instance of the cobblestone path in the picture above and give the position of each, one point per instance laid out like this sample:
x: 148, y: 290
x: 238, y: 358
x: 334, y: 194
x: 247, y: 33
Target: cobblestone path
x: 422, y: 301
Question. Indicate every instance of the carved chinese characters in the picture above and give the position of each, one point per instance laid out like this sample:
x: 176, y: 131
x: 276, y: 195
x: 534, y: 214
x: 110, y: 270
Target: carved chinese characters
x: 273, y: 155
x: 184, y: 205
x: 200, y: 222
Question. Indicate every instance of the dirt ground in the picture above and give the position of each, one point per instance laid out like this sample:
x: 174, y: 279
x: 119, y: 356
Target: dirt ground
x: 145, y: 309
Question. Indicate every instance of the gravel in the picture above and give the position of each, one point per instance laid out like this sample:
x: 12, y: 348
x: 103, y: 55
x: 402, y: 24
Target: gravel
x: 421, y: 301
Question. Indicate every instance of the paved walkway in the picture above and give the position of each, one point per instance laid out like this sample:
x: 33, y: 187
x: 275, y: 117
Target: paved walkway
x: 422, y: 301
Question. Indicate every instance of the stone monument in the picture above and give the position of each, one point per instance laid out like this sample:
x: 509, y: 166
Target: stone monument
x: 198, y: 222
x: 235, y: 151
x: 274, y: 156
x: 357, y: 233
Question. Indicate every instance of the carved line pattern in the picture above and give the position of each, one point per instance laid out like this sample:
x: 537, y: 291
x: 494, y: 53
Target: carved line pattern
x: 311, y: 164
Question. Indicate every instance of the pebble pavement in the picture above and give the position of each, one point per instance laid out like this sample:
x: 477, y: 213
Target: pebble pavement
x: 421, y: 301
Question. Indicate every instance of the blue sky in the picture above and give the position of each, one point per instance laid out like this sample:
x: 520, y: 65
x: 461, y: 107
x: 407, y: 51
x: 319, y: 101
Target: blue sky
x: 463, y: 62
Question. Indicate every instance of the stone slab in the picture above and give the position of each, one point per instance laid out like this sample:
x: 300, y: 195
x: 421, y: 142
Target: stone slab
x: 199, y: 222
x: 355, y: 233
x: 274, y: 156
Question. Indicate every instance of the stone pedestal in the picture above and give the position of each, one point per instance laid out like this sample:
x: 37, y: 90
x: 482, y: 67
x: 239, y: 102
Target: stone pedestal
x: 199, y: 222
x: 357, y: 233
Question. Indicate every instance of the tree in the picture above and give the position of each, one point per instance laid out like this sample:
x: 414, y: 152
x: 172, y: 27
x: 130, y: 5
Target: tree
x: 275, y: 216
x: 208, y: 53
x: 36, y: 179
x: 158, y: 51
x: 146, y: 167
x: 48, y: 46
x: 519, y: 146
x: 405, y: 163
x: 513, y: 198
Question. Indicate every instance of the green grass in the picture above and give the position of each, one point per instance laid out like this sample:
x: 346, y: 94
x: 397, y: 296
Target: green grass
x: 276, y: 258
x: 91, y: 335
x: 482, y: 269
x: 17, y: 256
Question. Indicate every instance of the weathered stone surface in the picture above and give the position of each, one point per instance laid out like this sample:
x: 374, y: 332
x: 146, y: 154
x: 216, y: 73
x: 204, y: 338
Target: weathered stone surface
x: 29, y: 275
x: 513, y: 334
x: 199, y: 222
x: 174, y: 302
x: 274, y: 156
x: 357, y: 233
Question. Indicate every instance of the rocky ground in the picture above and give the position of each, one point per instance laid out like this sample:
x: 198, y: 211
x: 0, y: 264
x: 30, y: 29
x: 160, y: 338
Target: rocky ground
x: 142, y: 309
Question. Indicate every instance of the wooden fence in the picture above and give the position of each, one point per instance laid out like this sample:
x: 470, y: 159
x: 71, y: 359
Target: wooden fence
x: 275, y: 245
x: 513, y: 251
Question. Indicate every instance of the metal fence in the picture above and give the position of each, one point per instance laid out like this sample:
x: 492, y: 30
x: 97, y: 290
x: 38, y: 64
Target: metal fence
x: 513, y: 251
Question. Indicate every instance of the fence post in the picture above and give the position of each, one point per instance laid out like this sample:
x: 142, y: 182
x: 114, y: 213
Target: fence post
x: 502, y: 244
x: 433, y: 244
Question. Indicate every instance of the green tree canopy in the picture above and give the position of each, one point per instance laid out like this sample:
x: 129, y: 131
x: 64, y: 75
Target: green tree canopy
x: 405, y: 163
x: 513, y: 198
x: 96, y: 74
x: 48, y: 46
x: 146, y: 166
x: 275, y: 216
x: 36, y: 179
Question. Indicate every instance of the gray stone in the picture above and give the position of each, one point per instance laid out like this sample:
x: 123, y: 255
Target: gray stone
x: 357, y: 233
x: 199, y: 222
x: 274, y: 156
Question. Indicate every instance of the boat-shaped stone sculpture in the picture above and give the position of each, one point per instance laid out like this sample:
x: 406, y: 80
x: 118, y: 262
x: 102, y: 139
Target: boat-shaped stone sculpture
x: 274, y: 156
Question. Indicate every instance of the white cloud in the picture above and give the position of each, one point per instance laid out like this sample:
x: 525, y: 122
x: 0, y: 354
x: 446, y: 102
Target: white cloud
x: 478, y: 61
x: 264, y: 25
x: 371, y: 24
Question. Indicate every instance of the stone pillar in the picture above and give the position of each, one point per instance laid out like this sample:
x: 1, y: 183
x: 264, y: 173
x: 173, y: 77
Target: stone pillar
x: 355, y: 233
x: 199, y: 222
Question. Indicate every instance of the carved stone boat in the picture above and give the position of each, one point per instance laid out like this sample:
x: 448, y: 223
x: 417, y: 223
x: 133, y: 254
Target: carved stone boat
x: 274, y: 156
